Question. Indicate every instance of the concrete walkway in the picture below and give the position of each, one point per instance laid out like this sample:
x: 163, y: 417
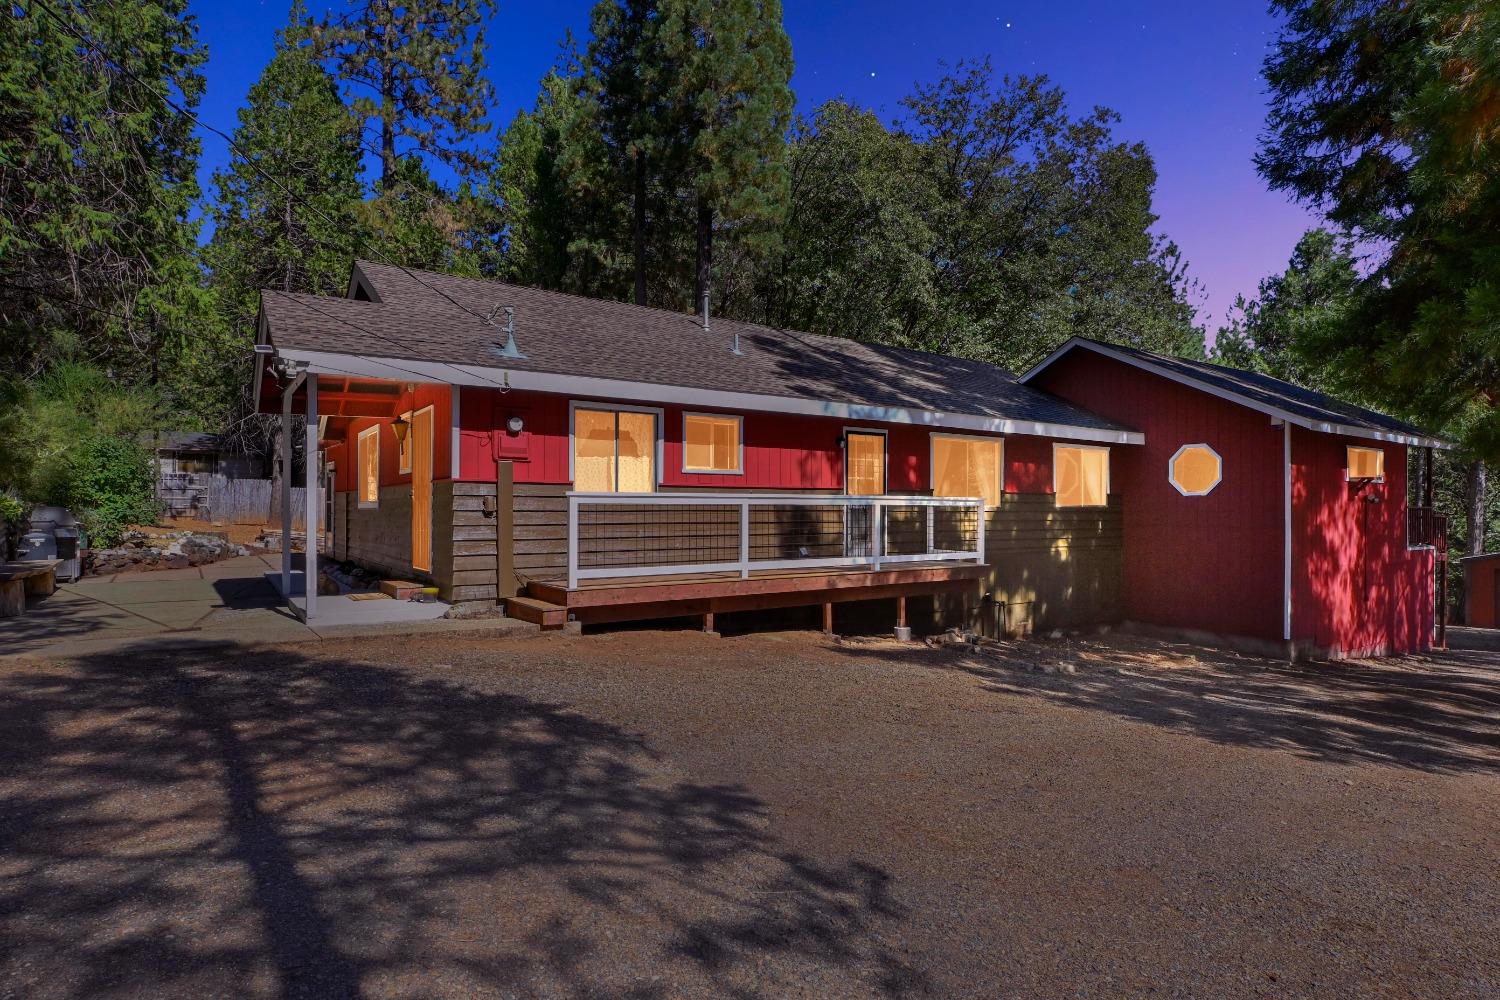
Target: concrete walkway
x: 227, y: 601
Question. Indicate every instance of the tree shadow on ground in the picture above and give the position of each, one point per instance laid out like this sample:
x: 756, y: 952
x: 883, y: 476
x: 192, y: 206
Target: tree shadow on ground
x: 215, y: 822
x: 1438, y: 713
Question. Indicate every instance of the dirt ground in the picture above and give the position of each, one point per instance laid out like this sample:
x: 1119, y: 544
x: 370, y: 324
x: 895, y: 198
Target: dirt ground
x: 655, y: 814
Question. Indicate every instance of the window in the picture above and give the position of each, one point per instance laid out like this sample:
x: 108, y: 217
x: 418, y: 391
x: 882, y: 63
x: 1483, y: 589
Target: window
x: 1195, y: 470
x: 614, y: 451
x: 403, y: 447
x: 369, y: 466
x: 712, y: 443
x: 967, y: 467
x: 1366, y: 463
x: 1080, y: 475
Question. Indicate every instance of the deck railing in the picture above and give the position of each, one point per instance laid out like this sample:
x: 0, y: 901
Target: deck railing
x: 1425, y: 526
x: 623, y: 534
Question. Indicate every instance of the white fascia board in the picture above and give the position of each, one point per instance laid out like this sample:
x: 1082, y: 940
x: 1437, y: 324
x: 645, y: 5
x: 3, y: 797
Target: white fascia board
x: 1321, y: 426
x: 402, y: 370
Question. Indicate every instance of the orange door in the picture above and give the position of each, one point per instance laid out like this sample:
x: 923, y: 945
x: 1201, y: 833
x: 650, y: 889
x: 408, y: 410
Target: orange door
x: 421, y: 490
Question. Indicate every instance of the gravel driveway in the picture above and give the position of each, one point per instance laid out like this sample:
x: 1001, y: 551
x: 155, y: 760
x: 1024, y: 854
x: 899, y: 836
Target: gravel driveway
x: 653, y: 815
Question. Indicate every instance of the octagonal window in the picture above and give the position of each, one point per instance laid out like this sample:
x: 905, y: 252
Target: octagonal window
x: 1195, y: 470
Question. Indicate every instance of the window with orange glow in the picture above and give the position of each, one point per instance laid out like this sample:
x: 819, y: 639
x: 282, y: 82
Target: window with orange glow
x: 1195, y: 470
x: 614, y: 451
x: 1366, y: 463
x: 711, y: 443
x: 966, y: 467
x: 368, y: 466
x: 1080, y: 475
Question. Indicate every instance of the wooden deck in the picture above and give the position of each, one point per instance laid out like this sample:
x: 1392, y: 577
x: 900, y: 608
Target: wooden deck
x: 638, y: 598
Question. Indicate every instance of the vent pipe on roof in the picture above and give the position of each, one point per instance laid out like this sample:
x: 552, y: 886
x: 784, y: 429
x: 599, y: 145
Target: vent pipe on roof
x: 705, y: 310
x: 735, y: 344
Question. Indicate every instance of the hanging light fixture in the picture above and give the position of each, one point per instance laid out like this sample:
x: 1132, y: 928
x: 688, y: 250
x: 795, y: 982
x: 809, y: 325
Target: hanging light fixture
x: 401, y: 425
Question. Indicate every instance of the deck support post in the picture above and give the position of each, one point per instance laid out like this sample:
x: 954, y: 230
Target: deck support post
x: 313, y: 479
x: 708, y: 623
x: 828, y: 618
x: 903, y: 631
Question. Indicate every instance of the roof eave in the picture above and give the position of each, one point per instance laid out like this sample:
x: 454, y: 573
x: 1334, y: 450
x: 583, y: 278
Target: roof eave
x: 450, y: 373
x: 1321, y: 426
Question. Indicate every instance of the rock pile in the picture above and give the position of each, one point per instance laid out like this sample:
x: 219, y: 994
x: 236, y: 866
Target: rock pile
x: 141, y: 551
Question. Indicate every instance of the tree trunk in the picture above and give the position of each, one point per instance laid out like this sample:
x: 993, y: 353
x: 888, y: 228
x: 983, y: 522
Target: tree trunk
x: 640, y: 228
x: 387, y: 103
x: 1474, y: 509
x: 705, y: 253
x: 274, y: 515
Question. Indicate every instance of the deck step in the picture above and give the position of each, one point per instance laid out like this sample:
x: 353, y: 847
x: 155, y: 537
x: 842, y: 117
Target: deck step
x: 400, y: 589
x: 538, y: 612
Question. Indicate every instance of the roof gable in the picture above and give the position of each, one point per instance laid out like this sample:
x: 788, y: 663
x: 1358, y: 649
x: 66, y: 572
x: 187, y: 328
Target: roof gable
x: 1303, y: 407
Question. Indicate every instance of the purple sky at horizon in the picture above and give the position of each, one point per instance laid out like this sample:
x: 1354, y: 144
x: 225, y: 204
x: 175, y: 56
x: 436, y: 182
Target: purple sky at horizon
x: 1183, y: 75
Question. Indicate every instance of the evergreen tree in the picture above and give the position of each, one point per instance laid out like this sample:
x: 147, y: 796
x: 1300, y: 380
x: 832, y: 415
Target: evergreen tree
x: 1316, y: 291
x: 415, y: 69
x: 727, y: 100
x: 97, y: 177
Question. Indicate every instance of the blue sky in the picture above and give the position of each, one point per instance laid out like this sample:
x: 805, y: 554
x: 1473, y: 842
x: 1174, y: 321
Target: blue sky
x: 1183, y: 75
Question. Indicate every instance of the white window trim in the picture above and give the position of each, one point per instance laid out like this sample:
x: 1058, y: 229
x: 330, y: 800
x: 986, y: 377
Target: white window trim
x: 739, y: 419
x: 359, y: 468
x: 1172, y: 469
x: 1357, y: 447
x: 574, y: 405
x: 885, y: 456
x: 932, y: 459
x: 1108, y: 475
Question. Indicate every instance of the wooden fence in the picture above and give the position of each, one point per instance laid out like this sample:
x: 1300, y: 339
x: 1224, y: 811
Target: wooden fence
x: 248, y: 501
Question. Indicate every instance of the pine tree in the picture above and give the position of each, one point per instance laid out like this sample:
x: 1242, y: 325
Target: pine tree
x: 415, y: 69
x: 726, y: 93
x: 97, y: 179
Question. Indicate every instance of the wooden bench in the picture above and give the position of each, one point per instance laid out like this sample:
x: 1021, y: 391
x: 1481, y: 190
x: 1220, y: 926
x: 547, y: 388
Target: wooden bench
x: 35, y: 577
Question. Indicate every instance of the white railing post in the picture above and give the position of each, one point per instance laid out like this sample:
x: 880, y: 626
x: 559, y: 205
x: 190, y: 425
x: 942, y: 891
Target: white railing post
x: 745, y: 540
x: 931, y: 546
x: 572, y: 543
x: 877, y: 530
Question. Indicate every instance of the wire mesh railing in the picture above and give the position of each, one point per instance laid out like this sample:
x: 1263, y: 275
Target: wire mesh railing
x: 621, y: 535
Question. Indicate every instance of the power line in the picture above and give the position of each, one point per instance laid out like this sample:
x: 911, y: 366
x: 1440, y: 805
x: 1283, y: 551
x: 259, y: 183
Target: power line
x: 72, y: 29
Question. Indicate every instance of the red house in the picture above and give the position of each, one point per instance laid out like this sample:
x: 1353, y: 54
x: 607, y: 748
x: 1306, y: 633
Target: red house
x: 597, y: 461
x: 1257, y: 509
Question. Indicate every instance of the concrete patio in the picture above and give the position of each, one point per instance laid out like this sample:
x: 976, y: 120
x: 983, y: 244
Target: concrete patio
x: 226, y: 601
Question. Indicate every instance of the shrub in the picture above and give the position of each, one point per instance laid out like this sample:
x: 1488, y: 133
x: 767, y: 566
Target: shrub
x: 108, y: 481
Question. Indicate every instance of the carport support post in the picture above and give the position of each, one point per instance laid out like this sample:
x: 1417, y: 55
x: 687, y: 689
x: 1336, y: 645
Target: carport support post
x: 310, y: 517
x: 286, y: 488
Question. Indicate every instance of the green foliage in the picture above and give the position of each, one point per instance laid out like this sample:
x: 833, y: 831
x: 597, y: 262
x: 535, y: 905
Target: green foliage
x: 1387, y: 116
x: 285, y: 211
x: 415, y: 222
x: 1315, y: 294
x: 109, y: 481
x: 414, y: 69
x: 97, y: 182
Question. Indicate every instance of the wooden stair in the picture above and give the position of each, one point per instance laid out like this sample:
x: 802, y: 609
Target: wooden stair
x: 401, y: 590
x: 538, y: 612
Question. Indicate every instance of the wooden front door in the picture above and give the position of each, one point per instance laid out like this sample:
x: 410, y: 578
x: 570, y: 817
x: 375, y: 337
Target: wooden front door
x: 420, y: 435
x: 864, y: 463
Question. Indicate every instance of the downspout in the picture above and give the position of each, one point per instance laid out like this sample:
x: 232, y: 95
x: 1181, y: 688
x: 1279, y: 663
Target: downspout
x: 1286, y: 541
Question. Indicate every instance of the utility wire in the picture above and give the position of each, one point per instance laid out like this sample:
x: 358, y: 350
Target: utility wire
x: 72, y: 29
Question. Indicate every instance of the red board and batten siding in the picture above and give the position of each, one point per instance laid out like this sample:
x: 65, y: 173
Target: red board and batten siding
x: 782, y: 451
x: 1216, y: 562
x: 1357, y: 588
x: 1213, y: 562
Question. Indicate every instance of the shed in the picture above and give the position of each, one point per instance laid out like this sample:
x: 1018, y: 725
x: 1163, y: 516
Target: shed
x: 1482, y: 590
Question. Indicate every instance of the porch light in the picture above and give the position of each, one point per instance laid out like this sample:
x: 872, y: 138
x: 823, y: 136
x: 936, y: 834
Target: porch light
x: 516, y: 424
x: 399, y: 427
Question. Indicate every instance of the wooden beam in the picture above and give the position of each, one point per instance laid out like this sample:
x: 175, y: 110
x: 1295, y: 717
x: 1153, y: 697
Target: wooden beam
x: 506, y: 583
x: 901, y: 611
x: 828, y: 618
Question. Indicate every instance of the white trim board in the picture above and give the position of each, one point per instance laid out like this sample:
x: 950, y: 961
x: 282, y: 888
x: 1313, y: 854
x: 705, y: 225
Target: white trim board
x: 1321, y: 426
x: 403, y: 370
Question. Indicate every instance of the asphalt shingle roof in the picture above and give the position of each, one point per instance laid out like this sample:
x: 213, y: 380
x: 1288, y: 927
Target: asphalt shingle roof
x: 1265, y: 390
x: 440, y: 318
